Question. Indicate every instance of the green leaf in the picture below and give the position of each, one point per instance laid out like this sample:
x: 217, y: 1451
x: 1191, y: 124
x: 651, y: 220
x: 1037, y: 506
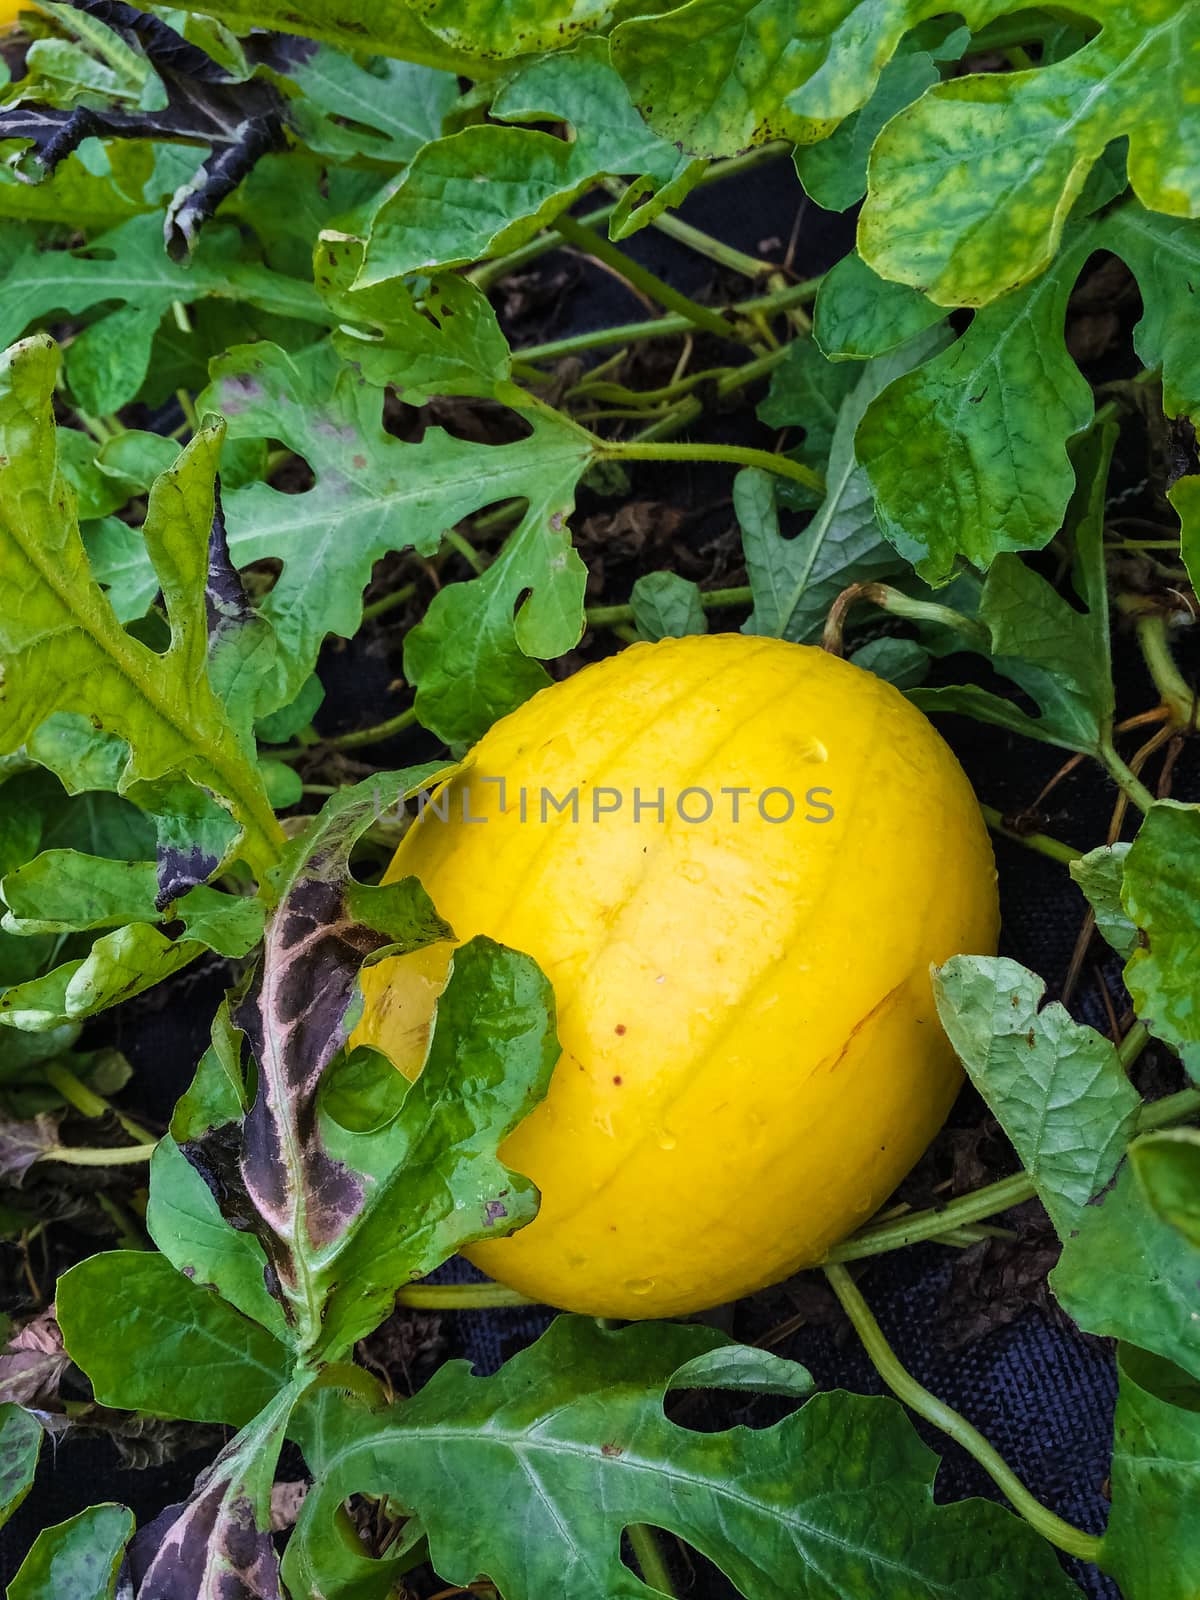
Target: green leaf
x: 796, y: 580
x: 119, y: 965
x: 967, y: 454
x: 434, y: 1163
x: 1099, y: 874
x: 78, y: 1559
x: 61, y: 645
x: 859, y: 314
x: 1167, y: 1166
x: 186, y: 1224
x: 63, y: 891
x: 374, y: 107
x: 488, y: 189
x: 150, y: 1340
x: 448, y: 343
x: 983, y: 169
x: 834, y: 171
x: 1150, y: 1542
x: 807, y: 391
x: 518, y: 27
x: 1160, y: 896
x: 666, y: 606
x: 1058, y: 655
x: 1126, y: 1274
x: 107, y: 363
x: 374, y: 494
x: 1057, y: 1088
x: 901, y: 661
x: 20, y: 1442
x: 835, y: 1500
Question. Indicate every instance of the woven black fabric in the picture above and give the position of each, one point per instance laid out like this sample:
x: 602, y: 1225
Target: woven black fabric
x: 1041, y: 1392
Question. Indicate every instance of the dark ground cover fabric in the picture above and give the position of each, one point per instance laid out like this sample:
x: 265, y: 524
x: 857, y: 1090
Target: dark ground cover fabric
x: 1039, y: 1390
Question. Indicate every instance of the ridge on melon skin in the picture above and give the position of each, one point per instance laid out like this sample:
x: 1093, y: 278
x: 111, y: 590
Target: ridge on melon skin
x: 781, y: 1066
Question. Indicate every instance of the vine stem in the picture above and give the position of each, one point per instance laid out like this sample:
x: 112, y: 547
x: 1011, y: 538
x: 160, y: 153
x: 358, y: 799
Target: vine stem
x: 652, y: 286
x: 86, y: 1156
x: 710, y: 599
x: 460, y: 1296
x: 739, y: 455
x: 1042, y: 843
x: 88, y: 1103
x: 490, y: 272
x: 1124, y: 777
x: 660, y: 327
x: 1177, y: 694
x: 352, y: 740
x: 648, y: 1554
x: 725, y: 255
x: 1074, y: 1541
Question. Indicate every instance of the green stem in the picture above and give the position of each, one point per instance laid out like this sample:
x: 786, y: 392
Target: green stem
x: 352, y: 740
x: 88, y: 1103
x: 389, y: 602
x: 710, y: 599
x: 660, y: 327
x: 740, y: 455
x: 1176, y: 693
x: 1074, y: 1541
x: 1125, y: 779
x: 647, y: 1552
x: 460, y: 1296
x: 922, y: 1226
x: 725, y: 255
x: 1179, y: 1107
x: 1132, y: 1045
x: 1042, y: 843
x: 490, y: 272
x: 86, y: 1156
x: 595, y: 244
x: 126, y: 1229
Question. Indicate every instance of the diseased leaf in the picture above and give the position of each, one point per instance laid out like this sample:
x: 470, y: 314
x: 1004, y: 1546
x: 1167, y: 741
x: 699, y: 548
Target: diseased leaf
x: 24, y: 1142
x: 1167, y: 1166
x: 1150, y: 1542
x: 1126, y: 1274
x: 666, y: 606
x: 1058, y: 655
x: 218, y: 1542
x: 1160, y: 896
x: 151, y: 1340
x: 984, y: 168
x: 834, y: 171
x: 488, y: 189
x: 60, y: 642
x: 1057, y: 1088
x: 518, y: 27
x: 77, y: 1559
x: 20, y: 1442
x: 540, y: 1509
x: 325, y: 1198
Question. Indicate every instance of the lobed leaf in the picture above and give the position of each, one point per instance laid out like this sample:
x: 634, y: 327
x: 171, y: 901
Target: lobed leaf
x: 530, y: 1477
x: 1159, y: 896
x: 1057, y: 1088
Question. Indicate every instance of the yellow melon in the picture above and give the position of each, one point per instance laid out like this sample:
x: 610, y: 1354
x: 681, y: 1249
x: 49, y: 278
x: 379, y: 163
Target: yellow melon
x: 751, y: 1058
